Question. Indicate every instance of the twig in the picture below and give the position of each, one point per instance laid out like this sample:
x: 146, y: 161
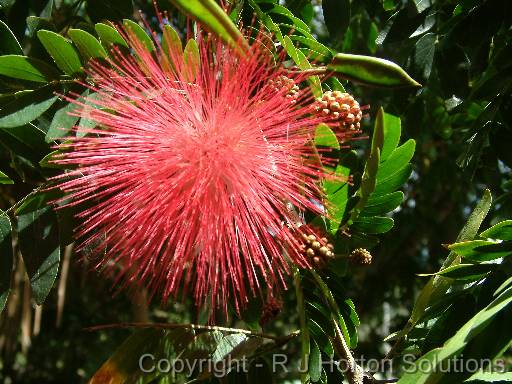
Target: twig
x: 61, y: 291
x: 278, y: 339
x: 355, y: 373
x: 310, y: 71
x: 304, y: 329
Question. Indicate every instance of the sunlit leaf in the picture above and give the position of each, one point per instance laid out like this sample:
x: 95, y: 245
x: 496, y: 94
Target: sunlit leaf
x: 212, y: 17
x: 4, y: 179
x: 26, y: 108
x: 109, y: 36
x: 27, y: 68
x: 88, y: 46
x: 482, y: 250
x: 140, y: 34
x: 502, y: 230
x: 62, y: 52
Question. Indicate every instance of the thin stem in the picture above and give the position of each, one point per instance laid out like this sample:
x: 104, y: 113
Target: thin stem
x: 279, y: 339
x: 355, y: 374
x: 303, y: 326
x: 311, y: 71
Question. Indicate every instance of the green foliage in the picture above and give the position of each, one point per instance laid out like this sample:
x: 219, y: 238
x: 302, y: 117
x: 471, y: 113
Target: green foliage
x: 40, y: 248
x: 211, y: 15
x: 109, y: 36
x: 88, y: 46
x: 486, y: 304
x: 62, y: 52
x: 459, y: 51
x: 139, y: 33
x: 27, y: 68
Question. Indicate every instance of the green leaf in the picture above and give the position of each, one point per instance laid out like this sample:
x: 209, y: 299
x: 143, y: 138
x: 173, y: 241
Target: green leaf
x: 40, y: 248
x: 88, y: 46
x: 62, y: 52
x: 378, y: 132
x: 46, y: 161
x: 482, y: 250
x: 456, y: 344
x: 62, y: 123
x: 490, y: 377
x: 373, y: 225
x: 325, y: 137
x: 465, y: 272
x: 85, y: 123
x: 337, y: 192
x: 227, y: 345
x: 283, y: 11
x: 27, y: 68
x: 138, y: 32
x: 437, y: 285
x: 320, y: 337
x: 400, y: 157
x: 109, y: 36
x: 476, y: 218
x: 380, y: 205
x: 349, y: 313
x: 316, y: 311
x: 371, y: 71
x: 315, y: 362
x: 25, y: 142
x: 393, y: 182
x: 47, y: 10
x: 323, y: 52
x: 8, y: 42
x: 302, y: 62
x: 27, y: 107
x: 4, y: 179
x: 171, y: 41
x: 424, y: 53
x: 192, y: 59
x: 502, y: 230
x: 234, y: 346
x: 37, y: 201
x: 369, y: 178
x: 392, y: 131
x: 6, y: 258
x: 213, y: 18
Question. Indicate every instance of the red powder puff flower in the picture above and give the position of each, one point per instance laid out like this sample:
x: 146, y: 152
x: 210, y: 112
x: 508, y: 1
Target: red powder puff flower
x: 188, y: 177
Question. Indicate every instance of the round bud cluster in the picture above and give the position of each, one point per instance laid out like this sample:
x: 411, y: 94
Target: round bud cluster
x: 318, y: 250
x: 285, y: 83
x: 341, y: 107
x: 361, y: 256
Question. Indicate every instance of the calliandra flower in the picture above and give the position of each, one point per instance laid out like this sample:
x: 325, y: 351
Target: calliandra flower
x: 189, y: 173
